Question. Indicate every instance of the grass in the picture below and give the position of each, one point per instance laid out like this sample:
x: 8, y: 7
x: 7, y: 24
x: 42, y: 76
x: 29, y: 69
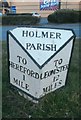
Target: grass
x: 63, y: 103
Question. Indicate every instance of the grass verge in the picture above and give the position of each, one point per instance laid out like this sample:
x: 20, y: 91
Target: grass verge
x: 62, y: 103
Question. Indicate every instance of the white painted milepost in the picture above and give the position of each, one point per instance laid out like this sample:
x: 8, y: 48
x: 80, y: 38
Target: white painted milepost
x: 39, y: 59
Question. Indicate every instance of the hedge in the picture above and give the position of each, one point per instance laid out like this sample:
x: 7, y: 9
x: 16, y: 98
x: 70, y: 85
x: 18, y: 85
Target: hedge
x: 64, y: 16
x: 19, y: 20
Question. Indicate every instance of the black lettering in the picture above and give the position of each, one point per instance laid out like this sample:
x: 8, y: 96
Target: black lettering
x: 24, y: 77
x: 53, y: 47
x: 55, y: 63
x: 56, y: 78
x: 46, y: 74
x: 31, y: 33
x: 15, y: 80
x: 24, y: 33
x: 47, y: 89
x: 44, y: 35
x: 41, y: 76
x: 48, y: 47
x: 52, y: 35
x: 32, y: 46
x: 28, y: 72
x: 32, y: 73
x: 22, y: 85
x: 43, y: 47
x: 27, y: 87
x: 55, y: 85
x: 63, y: 68
x: 52, y: 72
x: 21, y: 68
x: 19, y: 58
x: 24, y: 70
x: 12, y: 64
x: 60, y: 61
x: 28, y: 45
x: 39, y: 46
x: 57, y: 70
x: 60, y: 82
x: 24, y: 61
x: 37, y: 34
x: 36, y: 75
x: 58, y: 35
x: 17, y: 67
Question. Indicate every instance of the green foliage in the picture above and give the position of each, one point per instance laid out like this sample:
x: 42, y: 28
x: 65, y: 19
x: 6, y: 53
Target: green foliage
x: 19, y: 20
x: 64, y: 16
